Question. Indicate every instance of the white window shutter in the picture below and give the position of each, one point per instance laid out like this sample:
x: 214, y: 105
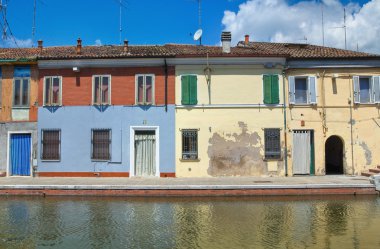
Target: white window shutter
x: 376, y: 89
x: 292, y: 90
x: 312, y: 87
x: 356, y: 89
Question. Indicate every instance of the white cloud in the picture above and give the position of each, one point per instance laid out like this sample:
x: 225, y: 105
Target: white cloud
x: 98, y: 42
x: 14, y: 43
x: 278, y: 21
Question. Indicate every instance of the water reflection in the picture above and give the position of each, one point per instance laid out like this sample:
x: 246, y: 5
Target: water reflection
x: 275, y: 222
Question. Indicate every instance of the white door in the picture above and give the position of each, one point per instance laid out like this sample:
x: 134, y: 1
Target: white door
x: 301, y: 152
x: 145, y: 153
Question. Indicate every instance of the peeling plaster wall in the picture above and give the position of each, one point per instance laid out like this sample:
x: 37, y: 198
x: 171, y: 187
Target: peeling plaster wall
x: 365, y: 119
x: 227, y: 146
x: 230, y: 139
x: 236, y: 154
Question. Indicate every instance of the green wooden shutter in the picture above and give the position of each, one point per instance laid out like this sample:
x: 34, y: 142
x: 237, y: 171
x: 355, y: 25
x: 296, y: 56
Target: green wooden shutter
x: 267, y: 89
x: 275, y: 91
x: 193, y: 90
x: 185, y: 90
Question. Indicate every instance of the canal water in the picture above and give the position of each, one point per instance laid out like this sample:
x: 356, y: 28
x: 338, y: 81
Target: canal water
x: 266, y: 222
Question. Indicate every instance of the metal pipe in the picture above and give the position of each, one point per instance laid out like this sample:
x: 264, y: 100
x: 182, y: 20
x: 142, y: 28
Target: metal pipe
x: 285, y: 129
x: 324, y: 125
x: 166, y: 86
x: 351, y: 127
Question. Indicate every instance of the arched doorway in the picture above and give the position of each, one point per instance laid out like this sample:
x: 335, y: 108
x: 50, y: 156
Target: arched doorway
x: 334, y: 155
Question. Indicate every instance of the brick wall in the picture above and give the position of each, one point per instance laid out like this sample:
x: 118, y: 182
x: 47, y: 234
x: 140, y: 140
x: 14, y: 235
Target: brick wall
x: 77, y: 87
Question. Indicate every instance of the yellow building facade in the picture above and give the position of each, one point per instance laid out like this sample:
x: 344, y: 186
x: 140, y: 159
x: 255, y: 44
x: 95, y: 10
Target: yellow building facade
x: 343, y: 124
x: 228, y: 120
x: 324, y: 119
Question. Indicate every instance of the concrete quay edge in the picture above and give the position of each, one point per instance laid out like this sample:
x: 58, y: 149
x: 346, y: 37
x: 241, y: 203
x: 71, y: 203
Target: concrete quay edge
x: 184, y: 187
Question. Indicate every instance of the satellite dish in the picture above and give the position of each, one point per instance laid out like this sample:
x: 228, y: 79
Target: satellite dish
x: 198, y: 35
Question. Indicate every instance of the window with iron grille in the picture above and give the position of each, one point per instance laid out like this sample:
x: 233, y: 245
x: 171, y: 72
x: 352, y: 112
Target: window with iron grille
x: 51, y: 145
x: 101, y: 144
x: 272, y: 143
x: 190, y: 144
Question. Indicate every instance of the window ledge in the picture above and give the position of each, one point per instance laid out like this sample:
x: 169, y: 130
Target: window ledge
x: 272, y: 159
x: 48, y: 161
x: 302, y: 104
x: 52, y: 105
x: 100, y: 160
x: 367, y: 104
x: 21, y: 107
x: 189, y: 160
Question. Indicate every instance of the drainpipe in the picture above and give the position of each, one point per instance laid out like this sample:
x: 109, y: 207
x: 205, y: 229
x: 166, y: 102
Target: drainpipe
x: 350, y: 102
x: 324, y: 124
x: 285, y: 129
x: 166, y: 86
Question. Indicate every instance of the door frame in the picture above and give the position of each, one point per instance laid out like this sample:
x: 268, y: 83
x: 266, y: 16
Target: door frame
x: 9, y: 149
x: 312, y: 150
x: 132, y: 147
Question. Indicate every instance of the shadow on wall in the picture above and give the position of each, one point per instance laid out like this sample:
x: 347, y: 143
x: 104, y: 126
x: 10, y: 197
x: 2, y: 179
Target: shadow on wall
x: 52, y: 109
x: 236, y: 154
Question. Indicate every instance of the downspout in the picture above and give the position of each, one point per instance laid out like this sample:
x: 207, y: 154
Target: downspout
x: 166, y: 86
x: 324, y: 125
x: 285, y: 128
x: 351, y: 126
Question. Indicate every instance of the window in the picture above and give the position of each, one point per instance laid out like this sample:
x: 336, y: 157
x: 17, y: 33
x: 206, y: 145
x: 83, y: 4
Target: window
x: 101, y: 90
x: 272, y: 143
x: 366, y: 89
x: 101, y: 143
x: 53, y: 91
x: 21, y: 92
x: 302, y: 90
x: 189, y: 89
x: 144, y: 89
x: 51, y: 144
x: 271, y: 89
x: 189, y: 144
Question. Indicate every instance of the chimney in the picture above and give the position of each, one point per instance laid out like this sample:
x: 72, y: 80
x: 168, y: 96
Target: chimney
x: 40, y: 45
x: 246, y: 40
x: 125, y: 46
x: 226, y: 42
x: 79, y: 46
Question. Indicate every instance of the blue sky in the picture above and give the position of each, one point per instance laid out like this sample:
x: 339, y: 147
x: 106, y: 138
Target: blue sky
x: 61, y: 22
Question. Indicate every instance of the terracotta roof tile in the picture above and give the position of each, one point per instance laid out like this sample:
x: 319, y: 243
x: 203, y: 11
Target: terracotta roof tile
x: 18, y: 53
x: 107, y: 51
x: 253, y: 49
x: 307, y: 51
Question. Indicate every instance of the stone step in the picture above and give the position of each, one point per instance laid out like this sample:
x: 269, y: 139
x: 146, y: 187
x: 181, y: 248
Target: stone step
x: 377, y: 171
x: 367, y: 173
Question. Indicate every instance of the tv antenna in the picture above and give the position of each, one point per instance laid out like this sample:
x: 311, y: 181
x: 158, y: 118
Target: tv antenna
x: 199, y: 32
x: 304, y: 39
x: 323, y: 26
x: 34, y: 22
x: 3, y: 9
x: 343, y: 27
x: 122, y: 4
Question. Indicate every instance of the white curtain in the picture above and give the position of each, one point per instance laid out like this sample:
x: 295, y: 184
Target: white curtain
x: 145, y: 155
x: 301, y: 152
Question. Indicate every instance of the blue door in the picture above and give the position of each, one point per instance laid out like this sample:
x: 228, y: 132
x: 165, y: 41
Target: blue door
x: 20, y: 154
